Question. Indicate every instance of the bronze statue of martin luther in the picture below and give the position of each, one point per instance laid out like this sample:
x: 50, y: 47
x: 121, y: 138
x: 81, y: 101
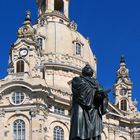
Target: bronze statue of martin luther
x: 89, y: 103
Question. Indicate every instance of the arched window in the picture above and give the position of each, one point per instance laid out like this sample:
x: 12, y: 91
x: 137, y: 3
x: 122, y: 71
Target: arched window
x: 124, y: 105
x: 58, y: 133
x: 20, y: 66
x: 40, y: 43
x: 59, y: 5
x: 19, y: 130
x: 78, y: 49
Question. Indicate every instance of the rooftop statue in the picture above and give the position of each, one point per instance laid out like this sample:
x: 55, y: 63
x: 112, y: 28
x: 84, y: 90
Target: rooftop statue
x: 89, y: 103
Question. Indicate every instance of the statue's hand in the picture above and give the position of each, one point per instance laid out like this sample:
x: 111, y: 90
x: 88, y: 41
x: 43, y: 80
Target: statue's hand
x: 105, y: 93
x: 98, y: 98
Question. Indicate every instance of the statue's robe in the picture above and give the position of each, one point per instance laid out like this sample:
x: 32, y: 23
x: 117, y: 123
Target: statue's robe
x: 88, y: 106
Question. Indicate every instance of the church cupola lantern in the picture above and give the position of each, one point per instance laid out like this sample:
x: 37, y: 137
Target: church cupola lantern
x: 28, y: 16
x: 122, y: 71
x: 27, y: 30
x: 48, y: 6
x: 122, y: 59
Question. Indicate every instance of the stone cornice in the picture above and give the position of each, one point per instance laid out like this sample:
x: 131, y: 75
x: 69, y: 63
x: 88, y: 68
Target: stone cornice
x: 125, y: 81
x: 60, y: 116
x: 32, y: 88
x: 124, y: 118
x: 27, y: 41
x: 57, y: 14
x: 17, y: 108
x: 115, y: 128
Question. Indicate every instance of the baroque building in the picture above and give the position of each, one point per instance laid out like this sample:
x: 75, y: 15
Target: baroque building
x: 35, y: 96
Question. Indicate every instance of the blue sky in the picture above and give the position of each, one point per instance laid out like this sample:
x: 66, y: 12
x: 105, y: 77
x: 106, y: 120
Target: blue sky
x: 112, y: 26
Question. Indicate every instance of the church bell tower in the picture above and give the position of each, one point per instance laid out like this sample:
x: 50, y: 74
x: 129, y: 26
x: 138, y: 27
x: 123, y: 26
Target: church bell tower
x: 123, y: 90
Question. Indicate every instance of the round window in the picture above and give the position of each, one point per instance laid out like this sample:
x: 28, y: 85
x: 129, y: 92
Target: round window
x: 17, y: 97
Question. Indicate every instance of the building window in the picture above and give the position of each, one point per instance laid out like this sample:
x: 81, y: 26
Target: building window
x: 78, y: 49
x: 20, y: 66
x: 59, y: 110
x: 59, y: 5
x: 124, y: 105
x: 40, y: 43
x: 58, y: 133
x: 18, y: 98
x: 19, y: 130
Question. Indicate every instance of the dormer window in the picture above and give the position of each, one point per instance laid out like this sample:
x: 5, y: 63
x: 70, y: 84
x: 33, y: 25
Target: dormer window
x: 123, y: 105
x: 20, y: 66
x: 78, y: 49
x: 40, y: 43
x: 59, y: 5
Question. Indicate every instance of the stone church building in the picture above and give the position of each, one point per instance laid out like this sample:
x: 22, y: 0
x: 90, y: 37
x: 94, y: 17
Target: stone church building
x: 35, y: 96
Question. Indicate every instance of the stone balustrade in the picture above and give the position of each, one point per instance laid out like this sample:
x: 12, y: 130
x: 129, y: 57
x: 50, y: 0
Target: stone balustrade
x: 64, y: 60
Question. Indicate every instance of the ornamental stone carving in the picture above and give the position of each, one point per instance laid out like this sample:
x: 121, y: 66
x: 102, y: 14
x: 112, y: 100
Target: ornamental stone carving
x: 27, y: 30
x: 73, y: 26
x: 2, y: 112
x: 59, y: 93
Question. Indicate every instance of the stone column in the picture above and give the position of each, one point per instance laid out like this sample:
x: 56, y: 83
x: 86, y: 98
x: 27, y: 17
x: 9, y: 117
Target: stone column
x: 2, y: 131
x: 50, y: 5
x: 66, y: 8
x: 111, y: 135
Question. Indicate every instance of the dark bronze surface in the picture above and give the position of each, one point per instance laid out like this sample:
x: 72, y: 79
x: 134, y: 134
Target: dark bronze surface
x: 89, y: 103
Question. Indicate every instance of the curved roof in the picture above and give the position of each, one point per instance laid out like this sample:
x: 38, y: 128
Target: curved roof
x: 60, y: 38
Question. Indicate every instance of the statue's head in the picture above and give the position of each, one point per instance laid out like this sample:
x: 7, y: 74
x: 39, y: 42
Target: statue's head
x: 87, y: 71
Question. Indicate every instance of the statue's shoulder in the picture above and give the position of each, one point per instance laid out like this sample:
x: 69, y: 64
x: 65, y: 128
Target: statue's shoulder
x: 77, y: 80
